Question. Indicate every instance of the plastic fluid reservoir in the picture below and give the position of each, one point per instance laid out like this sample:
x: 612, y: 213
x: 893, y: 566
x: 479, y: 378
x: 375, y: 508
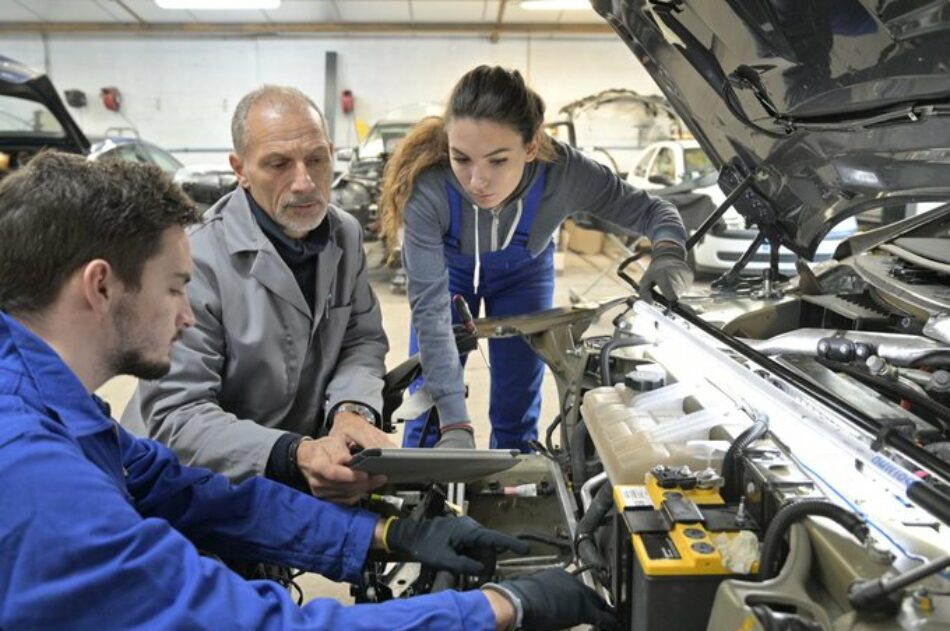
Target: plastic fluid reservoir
x: 621, y: 435
x: 644, y: 380
x: 663, y: 402
x: 693, y: 426
x: 703, y: 454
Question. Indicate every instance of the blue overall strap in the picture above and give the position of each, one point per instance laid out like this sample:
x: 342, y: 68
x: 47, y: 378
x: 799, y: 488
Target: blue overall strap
x: 451, y: 239
x: 532, y: 202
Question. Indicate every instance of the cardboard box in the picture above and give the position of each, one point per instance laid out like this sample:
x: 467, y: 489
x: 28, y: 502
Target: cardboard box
x: 581, y: 240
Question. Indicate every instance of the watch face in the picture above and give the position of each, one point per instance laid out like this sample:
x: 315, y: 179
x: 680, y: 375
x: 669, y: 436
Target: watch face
x: 357, y: 408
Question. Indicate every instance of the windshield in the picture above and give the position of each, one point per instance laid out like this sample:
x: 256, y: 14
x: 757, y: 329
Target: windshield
x: 383, y: 139
x: 165, y: 161
x: 21, y: 117
x: 696, y: 164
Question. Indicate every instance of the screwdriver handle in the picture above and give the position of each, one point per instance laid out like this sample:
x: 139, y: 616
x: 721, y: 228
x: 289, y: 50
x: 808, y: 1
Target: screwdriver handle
x: 464, y: 312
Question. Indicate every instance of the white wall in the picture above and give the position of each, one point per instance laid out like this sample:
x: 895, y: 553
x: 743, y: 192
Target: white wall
x: 180, y: 92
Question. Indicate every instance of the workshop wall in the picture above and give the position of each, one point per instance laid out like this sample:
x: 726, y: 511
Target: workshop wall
x: 180, y: 92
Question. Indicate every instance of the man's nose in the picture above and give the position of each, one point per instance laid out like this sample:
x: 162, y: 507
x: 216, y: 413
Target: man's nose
x: 302, y: 180
x: 187, y: 315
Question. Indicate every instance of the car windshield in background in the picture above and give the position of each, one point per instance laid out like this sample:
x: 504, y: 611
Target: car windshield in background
x: 28, y: 118
x: 696, y: 164
x: 383, y: 139
x: 165, y: 161
x: 143, y: 152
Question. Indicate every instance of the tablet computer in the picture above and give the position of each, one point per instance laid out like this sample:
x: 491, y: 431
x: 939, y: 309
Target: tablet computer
x: 434, y: 465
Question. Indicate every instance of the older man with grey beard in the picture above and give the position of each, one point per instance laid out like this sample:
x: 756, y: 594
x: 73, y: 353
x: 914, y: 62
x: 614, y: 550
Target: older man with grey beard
x: 282, y: 373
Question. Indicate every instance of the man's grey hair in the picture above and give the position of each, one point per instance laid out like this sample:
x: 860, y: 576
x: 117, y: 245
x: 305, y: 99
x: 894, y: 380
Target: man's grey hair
x: 273, y: 93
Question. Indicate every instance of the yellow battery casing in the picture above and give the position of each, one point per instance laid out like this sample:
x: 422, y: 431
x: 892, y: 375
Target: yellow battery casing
x: 688, y: 549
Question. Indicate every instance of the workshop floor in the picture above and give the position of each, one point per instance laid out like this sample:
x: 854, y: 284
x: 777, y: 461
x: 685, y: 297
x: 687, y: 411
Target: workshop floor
x: 579, y: 275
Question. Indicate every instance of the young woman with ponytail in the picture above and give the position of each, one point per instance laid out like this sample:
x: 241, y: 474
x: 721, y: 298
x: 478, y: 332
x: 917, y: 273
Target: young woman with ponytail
x: 479, y: 194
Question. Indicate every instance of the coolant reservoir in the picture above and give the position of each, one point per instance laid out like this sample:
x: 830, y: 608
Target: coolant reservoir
x: 621, y: 435
x: 634, y: 431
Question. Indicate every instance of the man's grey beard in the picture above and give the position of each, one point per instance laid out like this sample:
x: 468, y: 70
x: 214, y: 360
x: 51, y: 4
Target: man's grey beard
x: 284, y: 220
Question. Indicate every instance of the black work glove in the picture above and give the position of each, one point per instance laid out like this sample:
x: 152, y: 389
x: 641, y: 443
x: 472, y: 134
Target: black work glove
x: 457, y: 544
x: 668, y: 273
x: 457, y: 438
x: 553, y: 599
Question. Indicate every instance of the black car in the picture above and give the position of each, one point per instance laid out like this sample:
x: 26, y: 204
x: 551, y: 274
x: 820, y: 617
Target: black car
x: 32, y: 117
x: 836, y: 384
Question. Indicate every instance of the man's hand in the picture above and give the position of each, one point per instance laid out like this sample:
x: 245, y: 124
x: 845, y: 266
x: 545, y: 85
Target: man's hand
x: 323, y: 464
x: 668, y: 272
x: 457, y: 544
x: 356, y: 432
x: 553, y: 599
x: 460, y: 436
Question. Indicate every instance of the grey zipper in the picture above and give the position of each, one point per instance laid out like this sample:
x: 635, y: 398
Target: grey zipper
x: 494, y: 231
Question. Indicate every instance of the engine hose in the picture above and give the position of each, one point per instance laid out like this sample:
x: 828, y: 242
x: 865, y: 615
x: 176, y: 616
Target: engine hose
x: 549, y: 434
x: 554, y: 542
x: 611, y: 346
x: 579, y: 438
x: 730, y: 472
x: 795, y: 512
x: 584, y: 546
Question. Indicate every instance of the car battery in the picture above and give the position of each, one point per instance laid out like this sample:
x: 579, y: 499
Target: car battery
x: 667, y: 568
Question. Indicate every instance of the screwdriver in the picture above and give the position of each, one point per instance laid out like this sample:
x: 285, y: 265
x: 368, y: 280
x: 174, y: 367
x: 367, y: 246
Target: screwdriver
x: 468, y: 322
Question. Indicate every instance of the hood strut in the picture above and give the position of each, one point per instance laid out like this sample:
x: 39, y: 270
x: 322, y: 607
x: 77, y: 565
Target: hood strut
x: 707, y: 224
x: 711, y: 220
x: 731, y: 278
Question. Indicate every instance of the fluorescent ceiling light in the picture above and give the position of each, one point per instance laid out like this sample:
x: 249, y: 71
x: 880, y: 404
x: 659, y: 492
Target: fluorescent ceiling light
x: 555, y: 5
x: 219, y: 5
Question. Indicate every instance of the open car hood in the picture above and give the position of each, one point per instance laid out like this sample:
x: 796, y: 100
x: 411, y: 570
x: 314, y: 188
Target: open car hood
x: 831, y: 107
x: 19, y: 81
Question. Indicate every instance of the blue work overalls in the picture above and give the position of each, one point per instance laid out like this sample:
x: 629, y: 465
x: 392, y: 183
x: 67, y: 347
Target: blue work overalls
x: 511, y: 282
x: 98, y: 529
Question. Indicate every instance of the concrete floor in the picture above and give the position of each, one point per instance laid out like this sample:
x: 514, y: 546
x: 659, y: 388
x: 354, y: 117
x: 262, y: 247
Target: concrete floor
x: 580, y: 274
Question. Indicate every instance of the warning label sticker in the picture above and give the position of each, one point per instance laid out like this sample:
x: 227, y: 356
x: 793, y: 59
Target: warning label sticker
x: 635, y: 497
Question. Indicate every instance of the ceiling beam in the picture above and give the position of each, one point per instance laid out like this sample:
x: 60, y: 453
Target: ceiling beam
x: 291, y: 28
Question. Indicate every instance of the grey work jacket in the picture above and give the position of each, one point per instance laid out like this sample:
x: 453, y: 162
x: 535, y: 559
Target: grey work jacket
x: 257, y: 362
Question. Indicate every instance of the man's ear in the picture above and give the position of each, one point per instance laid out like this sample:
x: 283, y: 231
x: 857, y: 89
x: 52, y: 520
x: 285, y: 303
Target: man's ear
x: 99, y: 285
x: 237, y: 165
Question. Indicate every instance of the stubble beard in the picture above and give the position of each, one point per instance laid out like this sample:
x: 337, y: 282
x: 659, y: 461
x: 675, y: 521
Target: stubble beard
x: 128, y: 358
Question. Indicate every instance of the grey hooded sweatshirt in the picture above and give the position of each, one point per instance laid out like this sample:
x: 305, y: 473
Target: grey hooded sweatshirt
x: 574, y: 186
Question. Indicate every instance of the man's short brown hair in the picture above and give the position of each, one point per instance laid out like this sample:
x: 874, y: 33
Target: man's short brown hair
x: 61, y: 211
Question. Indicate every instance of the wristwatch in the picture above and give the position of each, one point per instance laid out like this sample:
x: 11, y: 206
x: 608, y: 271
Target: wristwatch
x: 357, y: 408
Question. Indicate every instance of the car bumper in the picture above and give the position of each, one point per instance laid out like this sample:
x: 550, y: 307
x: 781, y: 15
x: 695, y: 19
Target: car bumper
x: 719, y: 252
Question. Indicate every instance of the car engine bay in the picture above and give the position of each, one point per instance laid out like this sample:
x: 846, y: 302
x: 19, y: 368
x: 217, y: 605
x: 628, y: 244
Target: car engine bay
x: 743, y: 459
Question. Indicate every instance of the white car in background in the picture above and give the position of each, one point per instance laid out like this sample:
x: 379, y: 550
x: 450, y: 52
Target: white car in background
x: 673, y: 165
